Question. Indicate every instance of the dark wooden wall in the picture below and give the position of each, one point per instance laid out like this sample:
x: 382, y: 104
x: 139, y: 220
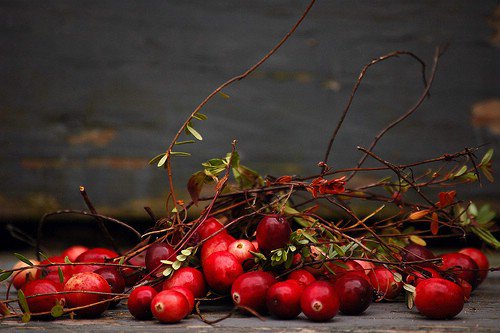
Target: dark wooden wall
x: 91, y: 90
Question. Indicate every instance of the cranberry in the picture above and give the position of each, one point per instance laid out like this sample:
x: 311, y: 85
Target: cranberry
x: 355, y: 293
x: 340, y: 268
x: 188, y: 277
x: 438, y: 298
x: 115, y: 279
x: 46, y: 302
x: 169, y: 306
x: 461, y: 266
x: 20, y: 278
x: 367, y: 265
x: 52, y: 272
x: 249, y: 290
x: 96, y: 255
x: 241, y: 248
x: 139, y: 302
x: 73, y: 252
x: 215, y: 244
x: 87, y: 281
x: 415, y: 252
x: 209, y: 227
x: 466, y: 287
x: 481, y: 262
x: 283, y: 299
x: 188, y: 294
x: 302, y: 276
x: 382, y: 280
x: 319, y: 301
x: 273, y: 232
x: 221, y: 269
x: 132, y: 275
x: 420, y: 274
x: 157, y: 252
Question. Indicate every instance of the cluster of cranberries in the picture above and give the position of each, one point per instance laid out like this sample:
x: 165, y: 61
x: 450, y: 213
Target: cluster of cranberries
x: 228, y: 268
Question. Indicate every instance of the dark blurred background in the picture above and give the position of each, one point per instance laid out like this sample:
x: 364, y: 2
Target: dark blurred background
x: 91, y: 90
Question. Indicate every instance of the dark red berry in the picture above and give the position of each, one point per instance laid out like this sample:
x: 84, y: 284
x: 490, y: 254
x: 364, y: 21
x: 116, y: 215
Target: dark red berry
x: 460, y: 265
x: 383, y: 281
x: 155, y: 254
x: 139, y: 302
x: 188, y: 277
x: 438, y: 298
x: 115, y: 279
x: 249, y: 290
x: 273, y: 232
x: 481, y: 262
x: 209, y: 227
x: 302, y: 276
x: 319, y: 301
x: 169, y: 306
x: 355, y: 293
x: 415, y: 252
x: 283, y: 299
x: 97, y: 255
x: 43, y: 303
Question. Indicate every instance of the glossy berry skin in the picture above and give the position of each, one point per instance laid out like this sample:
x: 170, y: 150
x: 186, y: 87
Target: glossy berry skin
x: 188, y: 294
x: 215, y: 244
x: 481, y: 261
x: 157, y: 252
x: 461, y: 265
x: 209, y: 227
x: 115, y: 280
x: 250, y: 289
x: 382, y: 280
x: 20, y: 278
x: 220, y: 270
x: 367, y: 265
x: 52, y: 272
x: 187, y: 277
x: 283, y: 299
x: 415, y: 252
x: 302, y: 276
x: 355, y: 294
x: 273, y: 232
x: 438, y: 298
x: 241, y: 248
x: 418, y: 275
x: 340, y: 268
x: 132, y: 276
x: 87, y: 281
x: 139, y: 302
x: 169, y: 306
x: 319, y: 301
x: 98, y: 255
x: 73, y: 252
x: 43, y: 303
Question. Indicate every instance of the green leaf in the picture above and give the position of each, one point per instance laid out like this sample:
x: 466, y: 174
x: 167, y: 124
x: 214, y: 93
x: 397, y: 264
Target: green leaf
x: 23, y: 259
x: 122, y: 260
x: 179, y: 153
x: 258, y: 255
x: 193, y: 132
x: 397, y: 277
x: 486, y: 235
x: 181, y: 257
x: 200, y: 116
x: 44, y: 256
x: 487, y: 174
x: 485, y: 215
x: 309, y: 237
x: 166, y: 262
x: 57, y: 311
x: 22, y: 301
x: 26, y: 317
x: 289, y: 261
x: 176, y: 265
x: 226, y: 96
x: 195, y: 185
x: 338, y: 249
x: 409, y: 288
x: 184, y: 142
x: 162, y: 160
x: 67, y: 261
x: 168, y: 271
x: 156, y: 158
x: 473, y: 209
x: 487, y: 157
x: 186, y: 252
x: 461, y: 171
x: 4, y: 275
x: 61, y: 275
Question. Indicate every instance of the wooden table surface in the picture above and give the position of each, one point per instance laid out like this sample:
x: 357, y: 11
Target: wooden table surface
x: 481, y: 314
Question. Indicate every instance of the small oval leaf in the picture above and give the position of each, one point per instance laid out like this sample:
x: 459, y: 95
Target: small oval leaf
x: 23, y: 259
x: 57, y: 311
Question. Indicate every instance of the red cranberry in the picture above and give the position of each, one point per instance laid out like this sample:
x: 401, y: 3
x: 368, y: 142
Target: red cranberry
x: 273, y: 232
x: 481, y: 262
x: 133, y: 275
x: 319, y: 301
x: 419, y: 274
x: 46, y: 302
x: 209, y: 227
x: 466, y: 287
x: 241, y: 248
x: 169, y: 306
x: 20, y: 278
x: 302, y: 276
x: 340, y: 268
x: 87, y: 281
x: 221, y: 269
x: 438, y: 298
x: 73, y: 252
x: 188, y: 277
x: 115, y: 279
x: 367, y: 265
x: 52, y: 272
x: 249, y: 290
x: 461, y: 266
x: 415, y: 252
x: 157, y: 252
x: 215, y: 244
x: 283, y: 299
x: 139, y: 302
x: 355, y: 293
x: 98, y: 255
x: 382, y: 280
x: 188, y: 294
